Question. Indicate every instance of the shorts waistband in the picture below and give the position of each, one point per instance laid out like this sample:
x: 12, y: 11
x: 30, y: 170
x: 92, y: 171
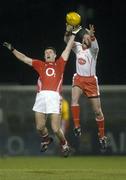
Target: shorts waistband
x: 94, y: 76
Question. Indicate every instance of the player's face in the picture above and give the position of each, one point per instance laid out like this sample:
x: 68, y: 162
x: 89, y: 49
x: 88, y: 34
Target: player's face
x: 86, y: 42
x: 50, y: 55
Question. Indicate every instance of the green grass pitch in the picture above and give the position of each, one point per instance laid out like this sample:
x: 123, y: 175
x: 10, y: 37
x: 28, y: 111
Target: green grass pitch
x: 59, y: 168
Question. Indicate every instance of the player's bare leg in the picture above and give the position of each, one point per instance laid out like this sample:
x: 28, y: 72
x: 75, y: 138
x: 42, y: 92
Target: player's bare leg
x: 96, y: 105
x: 56, y: 127
x: 75, y: 109
x: 40, y: 120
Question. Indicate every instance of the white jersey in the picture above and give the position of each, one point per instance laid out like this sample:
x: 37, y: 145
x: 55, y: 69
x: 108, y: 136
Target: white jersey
x: 86, y: 58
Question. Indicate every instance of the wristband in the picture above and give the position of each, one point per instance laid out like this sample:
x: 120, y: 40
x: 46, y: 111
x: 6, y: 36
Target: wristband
x: 73, y: 33
x: 68, y: 33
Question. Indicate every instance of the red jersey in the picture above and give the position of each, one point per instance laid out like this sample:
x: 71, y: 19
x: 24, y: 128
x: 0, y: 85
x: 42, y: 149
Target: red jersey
x: 50, y: 73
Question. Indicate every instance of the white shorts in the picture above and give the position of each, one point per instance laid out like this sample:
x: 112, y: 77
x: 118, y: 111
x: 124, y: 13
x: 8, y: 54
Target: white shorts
x: 47, y: 102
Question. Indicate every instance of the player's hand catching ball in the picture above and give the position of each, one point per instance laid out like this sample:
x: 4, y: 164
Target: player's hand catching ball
x: 69, y: 28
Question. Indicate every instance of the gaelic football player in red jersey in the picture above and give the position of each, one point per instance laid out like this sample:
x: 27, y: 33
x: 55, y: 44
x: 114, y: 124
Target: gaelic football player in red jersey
x: 48, y: 100
x: 85, y: 81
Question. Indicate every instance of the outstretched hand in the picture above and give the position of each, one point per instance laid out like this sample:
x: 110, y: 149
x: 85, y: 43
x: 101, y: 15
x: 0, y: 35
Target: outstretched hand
x: 91, y: 30
x: 69, y: 28
x: 8, y: 45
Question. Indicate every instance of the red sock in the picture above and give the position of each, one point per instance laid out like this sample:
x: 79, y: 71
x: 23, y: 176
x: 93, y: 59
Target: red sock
x: 101, y: 128
x: 76, y: 115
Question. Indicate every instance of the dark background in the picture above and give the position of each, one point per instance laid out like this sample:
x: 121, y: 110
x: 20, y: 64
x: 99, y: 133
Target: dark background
x: 32, y: 25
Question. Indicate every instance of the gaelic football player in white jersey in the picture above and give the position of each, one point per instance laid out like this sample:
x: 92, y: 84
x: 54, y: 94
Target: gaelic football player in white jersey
x: 48, y: 100
x: 85, y: 81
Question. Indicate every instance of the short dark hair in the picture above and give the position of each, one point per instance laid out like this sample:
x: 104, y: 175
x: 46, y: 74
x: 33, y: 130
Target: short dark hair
x: 50, y: 47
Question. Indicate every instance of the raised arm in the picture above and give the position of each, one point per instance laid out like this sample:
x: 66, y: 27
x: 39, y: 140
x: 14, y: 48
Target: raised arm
x: 94, y: 44
x: 68, y: 32
x: 22, y: 57
x: 70, y: 42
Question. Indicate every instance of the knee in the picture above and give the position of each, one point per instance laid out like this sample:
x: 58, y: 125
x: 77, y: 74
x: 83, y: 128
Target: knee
x: 40, y: 127
x: 55, y: 130
x: 99, y: 114
x: 74, y: 101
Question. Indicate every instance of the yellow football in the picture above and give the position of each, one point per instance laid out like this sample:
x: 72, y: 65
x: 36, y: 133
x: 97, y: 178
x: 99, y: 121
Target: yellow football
x: 73, y: 18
